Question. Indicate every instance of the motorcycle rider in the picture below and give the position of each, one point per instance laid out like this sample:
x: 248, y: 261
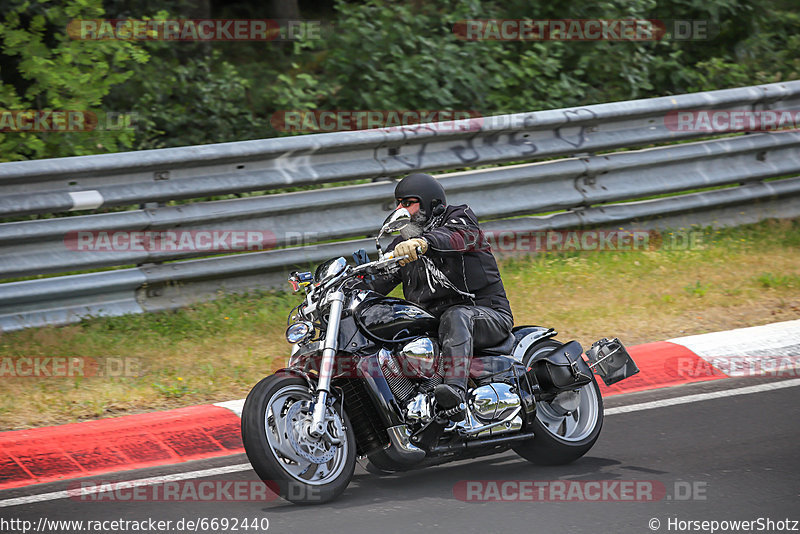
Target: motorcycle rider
x: 469, y: 300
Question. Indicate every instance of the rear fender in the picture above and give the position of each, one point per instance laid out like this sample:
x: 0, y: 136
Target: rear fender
x: 527, y: 336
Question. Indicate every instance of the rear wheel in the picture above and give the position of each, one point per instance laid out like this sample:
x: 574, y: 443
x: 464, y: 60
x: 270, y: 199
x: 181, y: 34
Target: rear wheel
x: 275, y: 430
x: 566, y: 427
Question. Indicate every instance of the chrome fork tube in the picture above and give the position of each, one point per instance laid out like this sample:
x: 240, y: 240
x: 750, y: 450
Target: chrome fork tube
x: 326, y: 366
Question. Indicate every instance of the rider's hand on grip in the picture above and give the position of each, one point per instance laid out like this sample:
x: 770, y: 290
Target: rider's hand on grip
x: 413, y: 248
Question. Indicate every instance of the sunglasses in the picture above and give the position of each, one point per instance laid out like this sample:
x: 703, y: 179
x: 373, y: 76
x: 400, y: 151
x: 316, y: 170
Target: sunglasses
x: 406, y: 202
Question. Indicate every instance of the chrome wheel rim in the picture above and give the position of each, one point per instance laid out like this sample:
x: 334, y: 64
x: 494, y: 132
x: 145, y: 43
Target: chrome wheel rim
x: 314, y: 462
x: 566, y: 417
x: 570, y: 424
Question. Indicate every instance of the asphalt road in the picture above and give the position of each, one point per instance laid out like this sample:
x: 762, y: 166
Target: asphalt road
x: 723, y: 459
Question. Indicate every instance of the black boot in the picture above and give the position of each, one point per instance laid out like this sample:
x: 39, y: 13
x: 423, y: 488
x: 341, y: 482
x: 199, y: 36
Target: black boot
x: 449, y: 397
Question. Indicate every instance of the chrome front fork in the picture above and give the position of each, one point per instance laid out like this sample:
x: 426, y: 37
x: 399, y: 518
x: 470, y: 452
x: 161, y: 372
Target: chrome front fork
x: 326, y: 367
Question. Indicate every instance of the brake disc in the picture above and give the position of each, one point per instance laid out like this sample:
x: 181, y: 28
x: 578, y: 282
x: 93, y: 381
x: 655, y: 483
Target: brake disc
x: 303, y: 447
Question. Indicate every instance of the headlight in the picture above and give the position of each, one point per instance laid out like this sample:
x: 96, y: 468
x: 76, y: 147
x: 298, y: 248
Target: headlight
x: 299, y: 332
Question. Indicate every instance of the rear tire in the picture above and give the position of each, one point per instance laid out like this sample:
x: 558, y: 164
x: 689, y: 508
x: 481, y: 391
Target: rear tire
x: 278, y: 449
x: 563, y: 435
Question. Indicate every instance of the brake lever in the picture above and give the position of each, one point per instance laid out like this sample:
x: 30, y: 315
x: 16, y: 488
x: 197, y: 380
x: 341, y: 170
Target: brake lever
x: 388, y: 262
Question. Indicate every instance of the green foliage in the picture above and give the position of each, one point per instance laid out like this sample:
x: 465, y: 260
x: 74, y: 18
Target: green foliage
x: 762, y: 46
x: 42, y: 68
x: 188, y: 101
x: 771, y: 280
x: 373, y: 55
x: 175, y: 390
x: 187, y: 94
x: 391, y: 55
x: 697, y: 289
x: 406, y: 56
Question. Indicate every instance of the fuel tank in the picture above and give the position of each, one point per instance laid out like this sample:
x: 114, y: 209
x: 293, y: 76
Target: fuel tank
x: 390, y: 319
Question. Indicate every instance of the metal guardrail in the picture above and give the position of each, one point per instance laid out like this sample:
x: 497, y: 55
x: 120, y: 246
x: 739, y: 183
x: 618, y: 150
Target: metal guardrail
x: 583, y: 184
x: 206, y: 170
x: 39, y: 247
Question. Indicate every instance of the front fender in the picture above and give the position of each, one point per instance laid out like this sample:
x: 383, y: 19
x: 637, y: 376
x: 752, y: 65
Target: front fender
x: 310, y: 379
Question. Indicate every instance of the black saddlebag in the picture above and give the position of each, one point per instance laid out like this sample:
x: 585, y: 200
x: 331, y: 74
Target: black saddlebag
x: 562, y: 369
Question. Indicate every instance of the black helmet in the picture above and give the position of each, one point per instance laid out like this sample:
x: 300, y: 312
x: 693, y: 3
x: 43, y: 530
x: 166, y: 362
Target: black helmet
x: 426, y: 188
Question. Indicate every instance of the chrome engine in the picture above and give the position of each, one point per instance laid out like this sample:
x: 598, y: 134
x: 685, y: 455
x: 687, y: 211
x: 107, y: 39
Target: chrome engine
x: 399, y: 373
x: 491, y: 409
x: 420, y: 408
x: 493, y: 402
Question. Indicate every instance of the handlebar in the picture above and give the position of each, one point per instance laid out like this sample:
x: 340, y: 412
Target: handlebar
x: 390, y: 255
x: 386, y: 262
x: 315, y: 295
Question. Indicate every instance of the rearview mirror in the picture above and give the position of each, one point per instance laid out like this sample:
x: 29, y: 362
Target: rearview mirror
x: 397, y: 220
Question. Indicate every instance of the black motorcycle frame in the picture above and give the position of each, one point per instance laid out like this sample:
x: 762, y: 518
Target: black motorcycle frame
x: 358, y: 371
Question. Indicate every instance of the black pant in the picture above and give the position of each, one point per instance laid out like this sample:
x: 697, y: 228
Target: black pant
x: 463, y: 329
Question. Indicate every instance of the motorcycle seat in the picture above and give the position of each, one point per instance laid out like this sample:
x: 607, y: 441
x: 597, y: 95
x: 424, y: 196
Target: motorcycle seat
x: 483, y: 367
x: 503, y: 349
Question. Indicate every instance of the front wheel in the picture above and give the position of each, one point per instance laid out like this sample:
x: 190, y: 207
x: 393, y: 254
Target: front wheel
x: 568, y: 426
x: 295, y: 465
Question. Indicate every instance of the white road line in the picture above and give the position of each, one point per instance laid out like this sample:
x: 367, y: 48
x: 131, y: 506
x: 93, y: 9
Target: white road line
x: 246, y: 467
x: 703, y: 396
x: 104, y: 486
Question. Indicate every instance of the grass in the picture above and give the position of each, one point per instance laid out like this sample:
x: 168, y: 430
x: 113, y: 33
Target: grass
x: 772, y: 280
x: 218, y: 350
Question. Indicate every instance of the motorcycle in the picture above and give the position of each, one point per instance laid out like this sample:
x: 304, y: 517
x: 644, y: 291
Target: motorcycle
x: 360, y: 380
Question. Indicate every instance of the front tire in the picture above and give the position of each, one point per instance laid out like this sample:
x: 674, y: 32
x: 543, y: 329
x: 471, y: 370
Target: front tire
x: 293, y: 464
x: 566, y: 428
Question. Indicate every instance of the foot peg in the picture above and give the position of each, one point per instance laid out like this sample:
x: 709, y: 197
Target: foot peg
x: 448, y: 396
x: 451, y: 400
x: 454, y: 414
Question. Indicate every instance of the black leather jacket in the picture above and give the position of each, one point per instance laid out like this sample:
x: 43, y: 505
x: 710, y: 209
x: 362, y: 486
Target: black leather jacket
x: 460, y: 250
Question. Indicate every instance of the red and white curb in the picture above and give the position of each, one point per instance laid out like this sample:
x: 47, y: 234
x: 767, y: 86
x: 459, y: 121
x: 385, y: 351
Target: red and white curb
x: 757, y: 343
x: 109, y: 445
x: 130, y: 442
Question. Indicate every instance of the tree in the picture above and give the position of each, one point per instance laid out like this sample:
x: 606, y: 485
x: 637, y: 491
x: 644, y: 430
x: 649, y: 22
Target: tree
x: 43, y: 68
